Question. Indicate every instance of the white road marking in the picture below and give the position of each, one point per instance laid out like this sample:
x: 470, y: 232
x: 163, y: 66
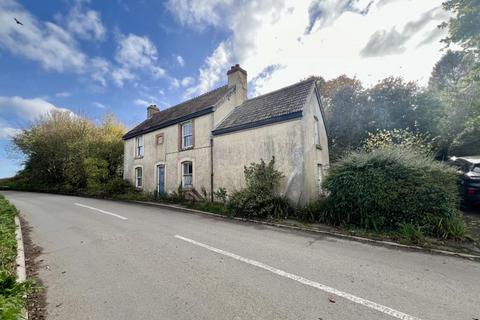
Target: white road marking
x: 102, y: 211
x: 367, y: 303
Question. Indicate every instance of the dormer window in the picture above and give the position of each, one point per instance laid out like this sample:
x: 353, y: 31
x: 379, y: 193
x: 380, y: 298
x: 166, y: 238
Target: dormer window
x: 139, y: 146
x: 187, y: 135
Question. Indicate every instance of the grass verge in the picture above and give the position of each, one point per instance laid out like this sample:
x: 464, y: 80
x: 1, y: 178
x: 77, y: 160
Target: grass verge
x: 12, y: 293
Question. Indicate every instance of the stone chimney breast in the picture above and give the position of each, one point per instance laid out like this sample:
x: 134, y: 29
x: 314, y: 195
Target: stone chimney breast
x: 151, y: 110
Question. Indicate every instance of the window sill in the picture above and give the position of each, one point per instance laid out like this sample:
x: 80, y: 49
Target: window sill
x: 187, y: 148
x: 319, y: 147
x: 138, y: 157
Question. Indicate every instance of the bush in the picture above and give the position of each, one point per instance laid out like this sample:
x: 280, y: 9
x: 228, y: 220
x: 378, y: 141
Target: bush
x: 314, y: 212
x: 411, y: 233
x: 388, y: 187
x: 260, y: 197
x: 221, y: 195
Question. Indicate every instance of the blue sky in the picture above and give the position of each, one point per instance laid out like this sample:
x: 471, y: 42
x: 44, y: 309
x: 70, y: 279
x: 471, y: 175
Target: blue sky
x: 94, y: 57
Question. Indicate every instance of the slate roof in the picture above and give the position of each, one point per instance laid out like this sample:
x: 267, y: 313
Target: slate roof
x: 286, y: 103
x: 195, y: 107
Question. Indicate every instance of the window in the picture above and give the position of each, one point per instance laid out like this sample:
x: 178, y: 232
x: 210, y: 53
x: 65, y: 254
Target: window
x: 187, y: 174
x: 159, y: 138
x: 138, y: 177
x: 139, y: 148
x: 187, y: 135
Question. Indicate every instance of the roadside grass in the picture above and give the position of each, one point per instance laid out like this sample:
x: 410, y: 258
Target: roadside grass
x: 12, y: 293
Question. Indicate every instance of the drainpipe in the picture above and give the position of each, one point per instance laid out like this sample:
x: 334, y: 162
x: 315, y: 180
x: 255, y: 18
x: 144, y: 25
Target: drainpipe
x: 211, y: 169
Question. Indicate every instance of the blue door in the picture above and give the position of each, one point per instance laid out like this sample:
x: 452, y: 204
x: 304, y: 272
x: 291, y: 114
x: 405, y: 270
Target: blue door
x: 161, y: 179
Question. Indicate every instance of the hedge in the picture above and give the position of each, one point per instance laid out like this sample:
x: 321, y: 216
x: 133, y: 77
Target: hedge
x: 389, y: 187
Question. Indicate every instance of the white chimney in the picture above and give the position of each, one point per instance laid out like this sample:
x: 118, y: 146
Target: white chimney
x: 238, y: 77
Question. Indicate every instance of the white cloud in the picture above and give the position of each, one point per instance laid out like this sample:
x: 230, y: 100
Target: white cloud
x: 99, y: 105
x: 63, y: 94
x: 187, y: 81
x: 181, y: 61
x: 141, y: 102
x: 199, y: 13
x: 274, y: 33
x: 136, y: 53
x: 18, y: 111
x: 44, y: 42
x: 7, y: 132
x: 119, y: 76
x: 212, y: 70
x: 47, y: 43
x: 99, y: 70
x: 86, y: 24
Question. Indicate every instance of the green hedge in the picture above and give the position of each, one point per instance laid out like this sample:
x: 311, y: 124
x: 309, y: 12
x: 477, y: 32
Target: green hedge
x: 12, y: 294
x: 387, y: 188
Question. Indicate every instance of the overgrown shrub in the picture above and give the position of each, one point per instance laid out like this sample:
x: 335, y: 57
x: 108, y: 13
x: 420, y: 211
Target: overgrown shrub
x: 314, y: 211
x: 411, y: 233
x: 260, y: 198
x: 221, y: 195
x: 388, y: 187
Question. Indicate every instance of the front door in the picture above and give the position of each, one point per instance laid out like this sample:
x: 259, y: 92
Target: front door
x: 161, y: 179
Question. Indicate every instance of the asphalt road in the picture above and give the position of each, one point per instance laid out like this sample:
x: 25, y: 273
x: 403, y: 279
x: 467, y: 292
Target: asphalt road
x: 130, y: 261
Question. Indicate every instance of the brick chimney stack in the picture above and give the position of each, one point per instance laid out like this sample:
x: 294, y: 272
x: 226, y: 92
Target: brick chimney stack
x: 151, y: 110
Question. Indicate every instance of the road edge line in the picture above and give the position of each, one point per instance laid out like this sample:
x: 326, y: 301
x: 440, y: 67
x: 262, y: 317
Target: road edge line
x: 323, y: 232
x: 20, y: 259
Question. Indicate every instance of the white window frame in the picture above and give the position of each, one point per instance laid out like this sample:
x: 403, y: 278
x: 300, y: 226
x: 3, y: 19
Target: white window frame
x: 183, y: 126
x: 139, y: 146
x: 184, y: 175
x: 138, y: 178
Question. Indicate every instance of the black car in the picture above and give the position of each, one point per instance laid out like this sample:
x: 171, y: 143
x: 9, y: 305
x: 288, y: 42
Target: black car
x: 469, y: 168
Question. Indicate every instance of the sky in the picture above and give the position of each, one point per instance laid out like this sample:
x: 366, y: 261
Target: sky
x: 99, y: 57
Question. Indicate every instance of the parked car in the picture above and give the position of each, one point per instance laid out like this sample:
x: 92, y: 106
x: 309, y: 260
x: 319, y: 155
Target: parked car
x: 469, y: 169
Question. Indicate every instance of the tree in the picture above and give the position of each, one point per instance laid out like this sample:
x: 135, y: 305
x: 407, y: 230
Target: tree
x: 344, y: 124
x: 353, y: 112
x: 467, y: 142
x: 403, y: 139
x: 464, y: 30
x: 66, y: 151
x: 452, y: 68
x: 391, y: 104
x: 450, y: 102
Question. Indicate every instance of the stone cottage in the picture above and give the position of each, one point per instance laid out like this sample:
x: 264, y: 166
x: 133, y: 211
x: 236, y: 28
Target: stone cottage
x: 205, y: 142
